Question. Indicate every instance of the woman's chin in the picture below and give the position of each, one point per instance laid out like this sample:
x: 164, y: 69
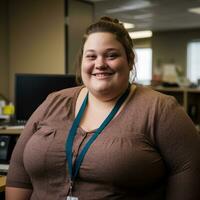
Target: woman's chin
x: 100, y: 85
x: 101, y: 89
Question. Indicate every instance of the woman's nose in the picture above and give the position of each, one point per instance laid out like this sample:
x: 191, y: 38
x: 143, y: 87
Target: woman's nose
x: 100, y: 63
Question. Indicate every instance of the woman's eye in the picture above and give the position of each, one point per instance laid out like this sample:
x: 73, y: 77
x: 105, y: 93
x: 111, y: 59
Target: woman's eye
x: 112, y: 55
x: 90, y: 57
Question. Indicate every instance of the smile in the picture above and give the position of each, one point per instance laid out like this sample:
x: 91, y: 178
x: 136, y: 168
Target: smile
x: 103, y: 75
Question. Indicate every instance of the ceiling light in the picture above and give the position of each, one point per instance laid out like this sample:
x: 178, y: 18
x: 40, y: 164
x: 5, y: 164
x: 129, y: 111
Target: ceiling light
x: 195, y: 10
x: 128, y: 25
x: 140, y: 34
x: 130, y: 6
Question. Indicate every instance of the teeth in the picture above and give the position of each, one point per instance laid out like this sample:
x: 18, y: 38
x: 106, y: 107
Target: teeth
x: 102, y: 75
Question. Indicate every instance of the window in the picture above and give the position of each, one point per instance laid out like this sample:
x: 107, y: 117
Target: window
x: 193, y: 61
x: 143, y: 64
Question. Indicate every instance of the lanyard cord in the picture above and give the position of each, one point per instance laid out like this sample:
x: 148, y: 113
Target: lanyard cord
x: 73, y: 170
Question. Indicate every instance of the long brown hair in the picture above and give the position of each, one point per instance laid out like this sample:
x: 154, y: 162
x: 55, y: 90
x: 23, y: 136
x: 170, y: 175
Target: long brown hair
x: 107, y: 24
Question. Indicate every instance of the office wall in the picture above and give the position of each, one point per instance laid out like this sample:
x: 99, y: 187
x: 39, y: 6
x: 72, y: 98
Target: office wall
x: 80, y: 15
x: 142, y: 43
x: 171, y: 46
x: 4, y: 76
x: 36, y: 37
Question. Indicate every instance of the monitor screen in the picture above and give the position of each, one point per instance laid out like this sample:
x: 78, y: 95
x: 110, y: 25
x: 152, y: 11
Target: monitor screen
x: 32, y: 89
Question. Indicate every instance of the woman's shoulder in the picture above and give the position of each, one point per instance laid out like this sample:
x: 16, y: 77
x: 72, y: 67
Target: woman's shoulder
x: 149, y: 97
x: 150, y: 92
x: 55, y: 102
x: 65, y: 93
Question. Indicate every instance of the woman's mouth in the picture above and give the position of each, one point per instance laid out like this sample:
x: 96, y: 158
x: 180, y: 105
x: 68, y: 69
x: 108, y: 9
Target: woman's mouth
x: 103, y: 74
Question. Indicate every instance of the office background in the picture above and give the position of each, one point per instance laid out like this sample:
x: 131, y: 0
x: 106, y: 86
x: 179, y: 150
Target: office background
x: 43, y: 36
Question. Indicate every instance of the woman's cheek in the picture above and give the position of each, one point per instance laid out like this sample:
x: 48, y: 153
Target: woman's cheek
x: 87, y: 67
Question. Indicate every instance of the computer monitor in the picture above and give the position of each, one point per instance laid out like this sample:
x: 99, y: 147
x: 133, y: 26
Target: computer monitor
x: 32, y: 89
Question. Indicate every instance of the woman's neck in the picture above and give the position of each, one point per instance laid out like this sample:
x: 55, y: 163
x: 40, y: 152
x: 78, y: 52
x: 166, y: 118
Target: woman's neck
x: 97, y: 102
x: 97, y: 109
x: 107, y: 97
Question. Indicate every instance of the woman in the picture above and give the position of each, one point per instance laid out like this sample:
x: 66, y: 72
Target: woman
x: 106, y: 139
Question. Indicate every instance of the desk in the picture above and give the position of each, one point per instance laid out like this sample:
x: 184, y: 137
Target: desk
x: 2, y: 183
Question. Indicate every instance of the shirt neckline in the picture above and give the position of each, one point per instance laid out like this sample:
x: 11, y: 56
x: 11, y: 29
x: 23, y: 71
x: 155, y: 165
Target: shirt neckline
x: 114, y: 120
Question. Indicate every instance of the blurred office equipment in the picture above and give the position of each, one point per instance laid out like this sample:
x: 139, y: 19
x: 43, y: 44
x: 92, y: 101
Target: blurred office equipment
x: 7, y: 143
x: 32, y: 89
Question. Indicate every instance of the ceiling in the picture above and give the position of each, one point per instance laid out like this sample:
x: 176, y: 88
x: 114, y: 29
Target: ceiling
x: 155, y: 15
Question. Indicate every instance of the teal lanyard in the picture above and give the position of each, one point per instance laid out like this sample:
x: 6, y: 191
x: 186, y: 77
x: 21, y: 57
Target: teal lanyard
x: 74, y: 169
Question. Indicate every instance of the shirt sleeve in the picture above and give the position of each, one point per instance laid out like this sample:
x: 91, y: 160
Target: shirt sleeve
x: 17, y: 175
x: 179, y: 145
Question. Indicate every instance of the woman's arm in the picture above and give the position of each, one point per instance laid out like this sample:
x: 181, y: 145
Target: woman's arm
x: 17, y: 193
x: 18, y: 182
x: 179, y: 145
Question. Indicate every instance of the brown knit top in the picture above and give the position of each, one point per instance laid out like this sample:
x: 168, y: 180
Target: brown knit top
x: 149, y: 151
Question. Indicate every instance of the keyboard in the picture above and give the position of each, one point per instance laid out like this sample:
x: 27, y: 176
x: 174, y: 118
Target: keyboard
x: 13, y: 123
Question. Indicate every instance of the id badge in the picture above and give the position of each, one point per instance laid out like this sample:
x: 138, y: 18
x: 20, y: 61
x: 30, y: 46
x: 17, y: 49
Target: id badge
x: 71, y: 198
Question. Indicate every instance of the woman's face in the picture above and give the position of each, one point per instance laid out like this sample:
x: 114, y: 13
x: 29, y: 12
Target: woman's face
x: 104, y: 68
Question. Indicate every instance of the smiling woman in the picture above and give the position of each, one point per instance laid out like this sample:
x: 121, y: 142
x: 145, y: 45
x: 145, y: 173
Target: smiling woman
x: 105, y: 70
x: 108, y: 139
